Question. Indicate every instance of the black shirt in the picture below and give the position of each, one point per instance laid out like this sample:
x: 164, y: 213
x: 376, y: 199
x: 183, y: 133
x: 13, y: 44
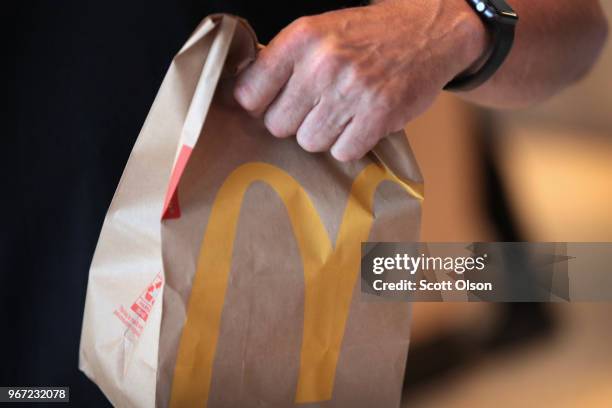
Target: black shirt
x: 86, y: 74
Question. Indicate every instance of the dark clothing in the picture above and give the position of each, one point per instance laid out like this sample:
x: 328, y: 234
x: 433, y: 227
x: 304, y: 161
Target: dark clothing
x: 86, y: 75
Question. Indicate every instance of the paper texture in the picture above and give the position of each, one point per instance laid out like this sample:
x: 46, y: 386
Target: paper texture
x: 226, y: 271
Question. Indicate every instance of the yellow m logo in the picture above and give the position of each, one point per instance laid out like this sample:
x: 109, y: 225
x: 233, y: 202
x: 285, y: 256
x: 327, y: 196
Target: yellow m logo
x: 327, y: 301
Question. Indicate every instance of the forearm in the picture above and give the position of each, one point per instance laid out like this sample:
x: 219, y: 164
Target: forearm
x: 556, y: 43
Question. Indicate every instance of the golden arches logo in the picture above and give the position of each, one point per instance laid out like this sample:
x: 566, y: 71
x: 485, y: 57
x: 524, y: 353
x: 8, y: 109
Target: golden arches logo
x: 326, y: 301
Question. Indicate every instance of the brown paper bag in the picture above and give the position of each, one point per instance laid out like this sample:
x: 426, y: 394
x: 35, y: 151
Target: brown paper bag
x: 226, y: 270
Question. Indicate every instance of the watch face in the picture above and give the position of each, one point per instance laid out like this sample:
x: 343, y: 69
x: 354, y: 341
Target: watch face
x: 495, y: 11
x: 502, y: 10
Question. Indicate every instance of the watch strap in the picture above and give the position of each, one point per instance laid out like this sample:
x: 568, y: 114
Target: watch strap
x: 502, y: 36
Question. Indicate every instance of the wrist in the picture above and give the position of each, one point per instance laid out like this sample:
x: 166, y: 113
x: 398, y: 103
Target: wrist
x: 458, y: 40
x: 470, y: 36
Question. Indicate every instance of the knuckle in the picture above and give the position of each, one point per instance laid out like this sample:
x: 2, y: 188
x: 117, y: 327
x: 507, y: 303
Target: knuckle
x: 275, y: 125
x: 246, y: 97
x: 308, y: 142
x: 328, y: 60
x: 360, y: 142
x: 304, y: 29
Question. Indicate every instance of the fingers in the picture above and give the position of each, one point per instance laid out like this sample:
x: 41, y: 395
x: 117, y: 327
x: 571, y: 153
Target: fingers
x: 285, y: 115
x: 323, y: 125
x: 358, y: 138
x: 259, y: 84
x: 310, y: 84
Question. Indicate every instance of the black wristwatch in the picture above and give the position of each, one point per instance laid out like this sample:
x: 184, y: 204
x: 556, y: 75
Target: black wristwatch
x: 500, y: 20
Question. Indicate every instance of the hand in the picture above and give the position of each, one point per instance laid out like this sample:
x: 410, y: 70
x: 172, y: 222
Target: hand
x: 345, y: 79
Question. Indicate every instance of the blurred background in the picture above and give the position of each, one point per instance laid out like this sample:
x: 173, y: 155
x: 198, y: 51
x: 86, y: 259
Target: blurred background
x: 542, y: 174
